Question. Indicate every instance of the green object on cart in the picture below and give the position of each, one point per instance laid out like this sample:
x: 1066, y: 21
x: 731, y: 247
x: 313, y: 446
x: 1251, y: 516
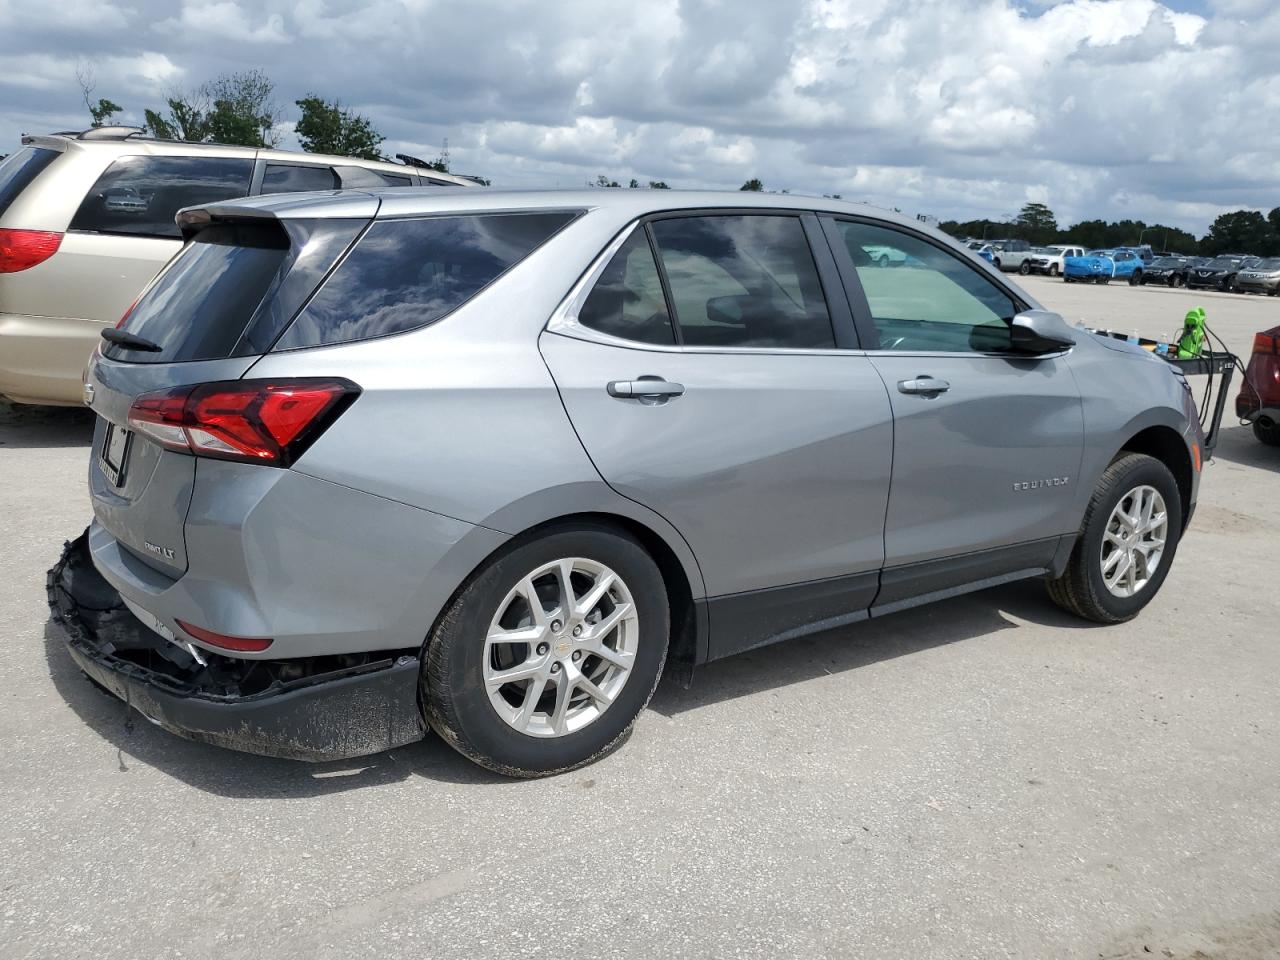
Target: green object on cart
x: 1191, y: 341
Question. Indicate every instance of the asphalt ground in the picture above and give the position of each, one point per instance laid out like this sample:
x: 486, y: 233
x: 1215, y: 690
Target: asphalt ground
x: 986, y: 777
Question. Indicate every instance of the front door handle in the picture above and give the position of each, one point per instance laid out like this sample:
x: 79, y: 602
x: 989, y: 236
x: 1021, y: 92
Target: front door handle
x: 645, y: 388
x: 924, y: 385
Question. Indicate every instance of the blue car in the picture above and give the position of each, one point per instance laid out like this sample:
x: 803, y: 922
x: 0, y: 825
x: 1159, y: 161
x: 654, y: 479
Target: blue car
x: 1103, y: 266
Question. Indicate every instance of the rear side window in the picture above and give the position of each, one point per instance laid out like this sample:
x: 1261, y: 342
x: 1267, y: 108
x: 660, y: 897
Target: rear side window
x: 627, y: 301
x: 743, y: 281
x: 395, y: 180
x: 18, y: 171
x: 294, y: 178
x: 141, y: 195
x: 409, y: 273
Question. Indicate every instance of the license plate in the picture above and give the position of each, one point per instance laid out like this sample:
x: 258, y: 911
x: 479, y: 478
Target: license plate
x: 115, y: 453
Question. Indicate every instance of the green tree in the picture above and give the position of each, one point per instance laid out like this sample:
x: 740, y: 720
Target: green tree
x: 1036, y: 223
x: 233, y: 108
x: 326, y: 127
x: 1242, y: 231
x: 752, y: 186
x: 658, y: 185
x: 603, y: 181
x: 101, y: 110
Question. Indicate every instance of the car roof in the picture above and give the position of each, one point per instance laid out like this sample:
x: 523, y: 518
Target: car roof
x: 410, y: 201
x: 121, y: 142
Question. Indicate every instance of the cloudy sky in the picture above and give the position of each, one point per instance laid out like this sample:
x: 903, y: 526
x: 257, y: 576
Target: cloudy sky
x: 959, y: 108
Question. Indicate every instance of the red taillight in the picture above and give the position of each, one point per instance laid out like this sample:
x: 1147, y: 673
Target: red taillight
x: 258, y: 421
x: 241, y: 644
x: 1266, y: 343
x: 24, y: 249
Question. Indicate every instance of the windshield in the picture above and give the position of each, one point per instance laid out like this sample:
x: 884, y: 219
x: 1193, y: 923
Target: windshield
x: 1166, y: 262
x: 1099, y: 253
x: 1222, y: 263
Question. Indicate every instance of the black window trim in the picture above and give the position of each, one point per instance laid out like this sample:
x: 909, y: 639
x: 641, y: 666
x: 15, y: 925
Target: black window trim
x: 564, y: 320
x: 574, y: 214
x: 867, y: 330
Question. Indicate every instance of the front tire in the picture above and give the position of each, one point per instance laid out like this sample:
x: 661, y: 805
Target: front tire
x: 544, y: 660
x: 1135, y: 278
x: 1053, y: 270
x: 1126, y: 542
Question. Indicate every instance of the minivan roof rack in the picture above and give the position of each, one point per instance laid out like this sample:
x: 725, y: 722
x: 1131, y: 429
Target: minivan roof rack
x: 110, y: 133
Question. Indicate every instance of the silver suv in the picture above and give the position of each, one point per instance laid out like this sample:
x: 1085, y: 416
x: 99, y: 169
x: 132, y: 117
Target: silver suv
x: 485, y: 461
x: 87, y: 219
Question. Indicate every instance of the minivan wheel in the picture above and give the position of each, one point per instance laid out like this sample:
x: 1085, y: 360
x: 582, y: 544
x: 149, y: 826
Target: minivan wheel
x: 1126, y: 542
x: 544, y: 660
x: 1268, y: 433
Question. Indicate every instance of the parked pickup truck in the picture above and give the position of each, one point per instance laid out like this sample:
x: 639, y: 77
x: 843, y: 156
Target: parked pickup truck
x: 1010, y: 255
x: 1049, y: 259
x: 1103, y: 266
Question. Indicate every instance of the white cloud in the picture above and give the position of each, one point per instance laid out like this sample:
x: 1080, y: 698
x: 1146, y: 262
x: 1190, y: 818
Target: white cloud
x: 952, y: 107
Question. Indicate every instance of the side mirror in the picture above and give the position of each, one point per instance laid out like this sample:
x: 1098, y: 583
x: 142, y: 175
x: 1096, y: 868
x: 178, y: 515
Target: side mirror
x: 1039, y: 332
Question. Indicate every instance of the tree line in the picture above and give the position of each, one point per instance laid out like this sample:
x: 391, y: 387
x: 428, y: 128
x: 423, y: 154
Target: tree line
x: 241, y: 109
x: 1241, y: 231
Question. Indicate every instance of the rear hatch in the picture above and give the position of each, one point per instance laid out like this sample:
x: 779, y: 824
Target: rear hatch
x: 216, y: 308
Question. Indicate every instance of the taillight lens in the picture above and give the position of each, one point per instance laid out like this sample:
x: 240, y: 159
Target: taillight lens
x: 1266, y: 343
x: 255, y: 421
x: 240, y: 644
x: 24, y: 249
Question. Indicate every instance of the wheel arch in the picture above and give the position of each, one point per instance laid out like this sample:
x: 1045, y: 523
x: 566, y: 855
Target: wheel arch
x: 1166, y: 445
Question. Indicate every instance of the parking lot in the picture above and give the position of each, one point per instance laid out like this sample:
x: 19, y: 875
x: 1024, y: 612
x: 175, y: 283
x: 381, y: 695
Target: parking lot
x: 985, y: 777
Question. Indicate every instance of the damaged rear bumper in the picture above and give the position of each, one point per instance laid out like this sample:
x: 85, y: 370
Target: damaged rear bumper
x: 334, y: 708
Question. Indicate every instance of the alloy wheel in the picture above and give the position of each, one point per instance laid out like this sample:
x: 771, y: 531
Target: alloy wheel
x: 1134, y: 541
x: 561, y: 647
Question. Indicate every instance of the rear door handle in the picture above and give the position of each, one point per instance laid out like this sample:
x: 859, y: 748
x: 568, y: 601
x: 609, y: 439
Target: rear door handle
x: 926, y: 385
x: 645, y: 388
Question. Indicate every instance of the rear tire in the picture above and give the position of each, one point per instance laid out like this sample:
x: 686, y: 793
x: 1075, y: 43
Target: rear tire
x: 1270, y: 435
x: 461, y: 701
x: 1025, y: 269
x: 1135, y: 278
x: 1083, y: 588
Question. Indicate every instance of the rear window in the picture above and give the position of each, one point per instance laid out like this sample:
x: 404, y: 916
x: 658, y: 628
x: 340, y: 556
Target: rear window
x: 141, y: 195
x: 409, y: 273
x: 234, y: 288
x: 18, y: 170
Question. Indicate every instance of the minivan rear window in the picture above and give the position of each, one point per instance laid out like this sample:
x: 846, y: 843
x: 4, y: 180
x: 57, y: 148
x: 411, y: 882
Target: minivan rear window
x: 409, y: 273
x: 17, y: 172
x: 141, y: 195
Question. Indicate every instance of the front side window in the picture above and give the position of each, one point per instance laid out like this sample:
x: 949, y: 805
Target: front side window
x: 627, y: 301
x: 141, y: 195
x: 928, y: 300
x: 295, y: 178
x: 743, y: 281
x: 409, y: 273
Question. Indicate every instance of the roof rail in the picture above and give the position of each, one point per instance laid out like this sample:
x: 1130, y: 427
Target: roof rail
x: 110, y: 133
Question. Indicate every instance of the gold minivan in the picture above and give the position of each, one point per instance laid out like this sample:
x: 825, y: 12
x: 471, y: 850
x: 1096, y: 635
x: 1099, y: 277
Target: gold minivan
x: 87, y: 219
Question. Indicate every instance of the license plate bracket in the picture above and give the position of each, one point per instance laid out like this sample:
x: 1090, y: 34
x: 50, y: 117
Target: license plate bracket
x: 115, y: 453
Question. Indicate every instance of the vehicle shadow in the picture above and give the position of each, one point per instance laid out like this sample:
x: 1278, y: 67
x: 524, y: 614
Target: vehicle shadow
x: 23, y: 426
x: 1238, y: 445
x: 838, y: 651
x: 229, y: 773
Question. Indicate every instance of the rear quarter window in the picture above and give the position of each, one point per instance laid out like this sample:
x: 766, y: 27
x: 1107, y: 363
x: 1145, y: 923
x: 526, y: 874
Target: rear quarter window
x: 18, y: 171
x: 409, y: 273
x: 141, y: 195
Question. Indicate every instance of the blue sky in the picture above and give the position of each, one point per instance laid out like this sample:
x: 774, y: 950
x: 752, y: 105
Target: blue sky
x: 957, y: 108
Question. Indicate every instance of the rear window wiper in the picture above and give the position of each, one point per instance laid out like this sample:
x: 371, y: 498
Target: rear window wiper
x: 130, y: 341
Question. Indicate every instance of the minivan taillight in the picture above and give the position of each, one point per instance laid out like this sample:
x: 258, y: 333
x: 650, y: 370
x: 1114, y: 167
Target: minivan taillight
x: 1266, y: 344
x: 24, y: 249
x: 255, y: 421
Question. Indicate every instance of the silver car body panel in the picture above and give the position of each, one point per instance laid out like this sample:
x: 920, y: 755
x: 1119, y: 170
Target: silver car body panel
x: 779, y: 478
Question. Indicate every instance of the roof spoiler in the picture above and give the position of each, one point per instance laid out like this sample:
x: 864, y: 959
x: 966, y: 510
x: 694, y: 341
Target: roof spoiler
x: 194, y: 219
